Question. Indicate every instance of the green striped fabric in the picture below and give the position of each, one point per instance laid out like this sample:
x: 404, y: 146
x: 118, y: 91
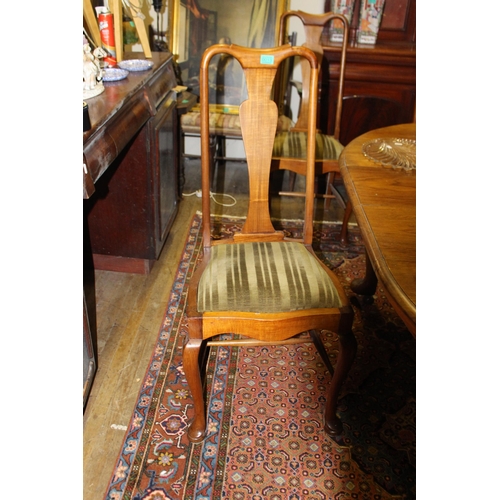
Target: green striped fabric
x: 293, y: 145
x: 264, y: 277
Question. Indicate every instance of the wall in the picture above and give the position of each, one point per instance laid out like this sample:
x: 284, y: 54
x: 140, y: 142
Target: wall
x: 312, y: 6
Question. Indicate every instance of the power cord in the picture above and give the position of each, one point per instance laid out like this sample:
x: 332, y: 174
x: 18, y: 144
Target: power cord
x: 197, y: 193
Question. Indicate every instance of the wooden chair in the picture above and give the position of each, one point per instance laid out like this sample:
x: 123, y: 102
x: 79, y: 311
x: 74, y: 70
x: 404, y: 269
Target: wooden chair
x: 289, y: 151
x: 261, y: 284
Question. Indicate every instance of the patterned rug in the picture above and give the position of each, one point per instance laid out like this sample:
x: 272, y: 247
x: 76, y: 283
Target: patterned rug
x: 265, y: 434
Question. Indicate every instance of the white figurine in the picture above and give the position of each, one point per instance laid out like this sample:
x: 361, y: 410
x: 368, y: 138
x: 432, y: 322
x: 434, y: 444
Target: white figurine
x: 92, y: 72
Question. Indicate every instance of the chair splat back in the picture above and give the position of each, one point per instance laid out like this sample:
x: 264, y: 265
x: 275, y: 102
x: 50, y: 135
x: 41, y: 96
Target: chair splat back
x: 258, y: 118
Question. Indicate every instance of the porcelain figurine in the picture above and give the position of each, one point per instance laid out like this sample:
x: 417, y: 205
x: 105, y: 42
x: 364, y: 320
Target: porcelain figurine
x: 92, y: 72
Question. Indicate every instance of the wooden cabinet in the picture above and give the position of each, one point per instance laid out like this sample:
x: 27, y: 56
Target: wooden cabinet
x: 130, y: 186
x: 135, y: 156
x: 135, y: 201
x: 380, y: 79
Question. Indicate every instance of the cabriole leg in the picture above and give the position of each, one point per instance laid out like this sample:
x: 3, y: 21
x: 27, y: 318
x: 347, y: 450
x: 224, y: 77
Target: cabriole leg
x: 197, y: 428
x: 347, y: 353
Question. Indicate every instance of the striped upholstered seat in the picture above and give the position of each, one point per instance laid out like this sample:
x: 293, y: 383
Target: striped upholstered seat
x: 264, y: 277
x: 293, y: 145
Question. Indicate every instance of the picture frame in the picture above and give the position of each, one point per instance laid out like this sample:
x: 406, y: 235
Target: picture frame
x: 195, y: 25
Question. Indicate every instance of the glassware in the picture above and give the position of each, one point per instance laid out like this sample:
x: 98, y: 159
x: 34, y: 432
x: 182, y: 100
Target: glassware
x: 393, y: 153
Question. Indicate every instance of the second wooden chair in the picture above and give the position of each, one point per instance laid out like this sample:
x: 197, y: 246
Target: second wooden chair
x: 289, y: 151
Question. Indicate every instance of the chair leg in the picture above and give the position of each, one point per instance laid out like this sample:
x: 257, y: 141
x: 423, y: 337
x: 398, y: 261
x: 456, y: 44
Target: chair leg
x: 347, y: 353
x: 291, y: 180
x: 320, y: 347
x: 329, y: 183
x: 345, y: 223
x: 213, y: 162
x: 335, y: 192
x: 221, y: 148
x: 331, y: 189
x: 190, y: 360
x: 182, y: 166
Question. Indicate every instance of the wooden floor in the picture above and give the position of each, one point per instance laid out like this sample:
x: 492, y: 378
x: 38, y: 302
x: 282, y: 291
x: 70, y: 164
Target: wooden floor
x: 130, y: 310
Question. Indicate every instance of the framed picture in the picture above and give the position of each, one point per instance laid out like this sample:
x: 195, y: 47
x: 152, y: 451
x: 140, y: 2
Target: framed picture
x: 195, y: 25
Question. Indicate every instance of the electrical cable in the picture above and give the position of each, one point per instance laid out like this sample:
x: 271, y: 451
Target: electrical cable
x: 212, y: 196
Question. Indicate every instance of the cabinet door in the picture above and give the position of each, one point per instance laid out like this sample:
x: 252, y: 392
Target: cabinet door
x: 165, y: 171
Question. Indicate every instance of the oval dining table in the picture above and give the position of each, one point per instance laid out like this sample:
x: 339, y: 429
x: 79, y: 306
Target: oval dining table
x: 383, y: 200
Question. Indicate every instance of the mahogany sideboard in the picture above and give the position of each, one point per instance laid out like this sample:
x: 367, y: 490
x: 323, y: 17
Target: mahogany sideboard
x: 130, y: 183
x: 380, y: 79
x: 132, y: 151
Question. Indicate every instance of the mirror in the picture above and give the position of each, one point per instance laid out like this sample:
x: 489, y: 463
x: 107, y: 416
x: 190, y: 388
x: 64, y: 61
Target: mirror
x: 194, y: 25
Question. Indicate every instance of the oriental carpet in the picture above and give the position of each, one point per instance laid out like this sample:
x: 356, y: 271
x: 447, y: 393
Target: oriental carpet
x: 265, y: 435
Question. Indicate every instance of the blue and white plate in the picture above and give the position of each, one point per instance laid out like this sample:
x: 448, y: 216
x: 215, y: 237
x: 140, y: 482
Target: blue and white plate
x: 136, y: 64
x: 114, y: 74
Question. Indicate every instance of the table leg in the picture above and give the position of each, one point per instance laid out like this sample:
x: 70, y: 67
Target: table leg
x: 368, y: 284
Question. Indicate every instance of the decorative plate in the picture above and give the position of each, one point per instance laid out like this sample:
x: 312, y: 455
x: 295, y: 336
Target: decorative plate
x: 114, y: 74
x: 136, y: 64
x: 393, y: 153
